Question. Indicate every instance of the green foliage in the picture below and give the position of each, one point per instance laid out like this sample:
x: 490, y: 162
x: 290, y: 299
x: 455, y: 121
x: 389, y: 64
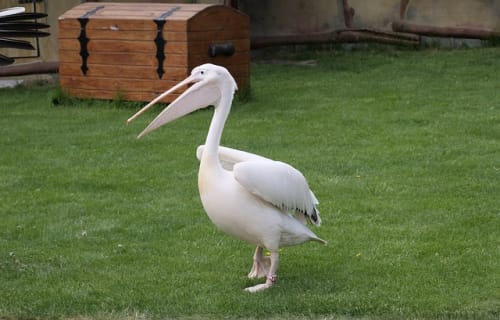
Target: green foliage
x: 402, y: 149
x: 58, y: 96
x: 491, y: 42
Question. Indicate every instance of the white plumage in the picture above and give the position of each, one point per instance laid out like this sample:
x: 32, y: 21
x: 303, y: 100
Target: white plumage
x: 255, y: 199
x: 273, y: 181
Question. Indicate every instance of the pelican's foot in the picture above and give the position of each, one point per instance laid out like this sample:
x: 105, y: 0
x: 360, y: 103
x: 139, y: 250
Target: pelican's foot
x: 263, y: 286
x: 260, y: 268
x: 257, y: 288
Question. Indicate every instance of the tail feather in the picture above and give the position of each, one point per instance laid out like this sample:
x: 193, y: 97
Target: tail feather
x: 314, y: 217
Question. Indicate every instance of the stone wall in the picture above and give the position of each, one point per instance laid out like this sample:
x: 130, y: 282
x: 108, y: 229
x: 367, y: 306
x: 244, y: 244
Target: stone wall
x: 277, y: 17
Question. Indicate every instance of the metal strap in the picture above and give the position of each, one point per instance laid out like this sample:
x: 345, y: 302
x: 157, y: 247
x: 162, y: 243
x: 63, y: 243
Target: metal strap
x: 160, y: 41
x: 83, y: 39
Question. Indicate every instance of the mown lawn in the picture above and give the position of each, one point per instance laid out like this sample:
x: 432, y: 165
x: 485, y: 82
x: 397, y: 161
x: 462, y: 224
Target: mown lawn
x: 402, y: 148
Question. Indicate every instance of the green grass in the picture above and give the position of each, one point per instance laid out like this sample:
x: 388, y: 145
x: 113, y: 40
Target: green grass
x: 402, y: 148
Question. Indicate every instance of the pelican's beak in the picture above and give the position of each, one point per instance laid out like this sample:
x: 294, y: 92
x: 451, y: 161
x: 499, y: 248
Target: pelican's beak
x: 201, y: 94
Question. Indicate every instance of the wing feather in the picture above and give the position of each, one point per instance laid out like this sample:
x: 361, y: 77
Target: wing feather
x: 273, y: 181
x: 229, y: 156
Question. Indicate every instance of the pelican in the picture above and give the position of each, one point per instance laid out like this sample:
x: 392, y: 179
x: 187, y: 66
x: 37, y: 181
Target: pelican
x: 258, y: 200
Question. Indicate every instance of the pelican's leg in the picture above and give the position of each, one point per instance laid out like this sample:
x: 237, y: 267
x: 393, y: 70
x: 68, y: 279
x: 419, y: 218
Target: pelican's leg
x: 260, y: 266
x: 271, y: 275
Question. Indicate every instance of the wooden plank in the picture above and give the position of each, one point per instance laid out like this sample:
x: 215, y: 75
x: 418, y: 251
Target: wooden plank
x: 119, y: 58
x: 125, y: 72
x: 133, y: 10
x: 106, y: 14
x: 436, y: 31
x: 116, y: 84
x: 66, y: 56
x: 99, y: 70
x: 175, y: 36
x: 175, y: 26
x: 148, y: 6
x: 109, y: 58
x: 68, y: 33
x: 144, y: 35
x: 113, y: 95
x: 68, y: 24
x: 131, y: 14
x: 109, y: 45
x: 112, y: 6
x: 95, y: 46
x: 171, y: 31
x: 176, y: 47
x: 144, y: 14
x: 120, y: 24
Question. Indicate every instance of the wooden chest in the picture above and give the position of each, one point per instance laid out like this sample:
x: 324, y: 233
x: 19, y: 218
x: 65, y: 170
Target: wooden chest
x: 134, y: 51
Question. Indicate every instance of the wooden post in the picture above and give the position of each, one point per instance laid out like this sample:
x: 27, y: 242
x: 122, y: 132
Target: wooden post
x: 339, y: 36
x: 403, y: 8
x: 29, y: 68
x: 348, y: 14
x: 454, y: 32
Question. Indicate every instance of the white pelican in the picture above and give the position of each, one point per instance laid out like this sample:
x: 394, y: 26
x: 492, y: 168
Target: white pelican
x: 252, y: 198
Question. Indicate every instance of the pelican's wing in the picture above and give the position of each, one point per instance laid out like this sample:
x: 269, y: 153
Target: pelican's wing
x: 229, y: 157
x: 273, y: 181
x: 280, y: 184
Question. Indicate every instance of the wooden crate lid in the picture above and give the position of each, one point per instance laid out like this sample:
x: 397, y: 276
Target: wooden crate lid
x: 140, y: 17
x: 138, y: 11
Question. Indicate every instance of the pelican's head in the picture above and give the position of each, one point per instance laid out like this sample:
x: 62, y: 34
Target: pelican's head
x: 215, y: 75
x: 209, y: 83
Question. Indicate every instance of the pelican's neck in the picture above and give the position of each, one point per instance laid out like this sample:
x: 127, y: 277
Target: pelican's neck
x: 219, y: 118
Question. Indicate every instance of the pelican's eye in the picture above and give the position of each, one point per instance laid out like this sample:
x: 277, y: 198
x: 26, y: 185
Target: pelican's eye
x: 202, y: 72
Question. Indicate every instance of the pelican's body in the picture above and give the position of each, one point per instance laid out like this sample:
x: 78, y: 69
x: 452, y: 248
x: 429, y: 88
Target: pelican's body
x: 241, y: 213
x: 252, y: 198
